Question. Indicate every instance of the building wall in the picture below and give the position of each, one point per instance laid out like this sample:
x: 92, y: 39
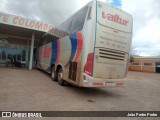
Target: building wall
x: 148, y: 65
x: 144, y: 65
x: 17, y: 41
x: 134, y: 68
x: 17, y: 48
x: 148, y: 69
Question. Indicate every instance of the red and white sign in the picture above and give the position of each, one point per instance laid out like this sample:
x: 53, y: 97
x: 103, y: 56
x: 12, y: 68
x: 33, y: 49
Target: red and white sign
x: 115, y: 18
x: 24, y: 22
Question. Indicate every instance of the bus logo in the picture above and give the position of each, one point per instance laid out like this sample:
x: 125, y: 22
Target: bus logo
x: 115, y: 18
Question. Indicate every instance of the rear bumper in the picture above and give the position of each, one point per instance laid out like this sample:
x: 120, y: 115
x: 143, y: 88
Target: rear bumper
x: 99, y: 82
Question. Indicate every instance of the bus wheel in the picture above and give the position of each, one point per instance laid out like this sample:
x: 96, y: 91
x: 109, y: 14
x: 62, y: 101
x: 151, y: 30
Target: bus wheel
x: 54, y: 74
x: 60, y: 77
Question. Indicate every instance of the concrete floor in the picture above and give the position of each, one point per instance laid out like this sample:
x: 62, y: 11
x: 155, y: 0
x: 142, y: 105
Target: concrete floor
x: 25, y: 90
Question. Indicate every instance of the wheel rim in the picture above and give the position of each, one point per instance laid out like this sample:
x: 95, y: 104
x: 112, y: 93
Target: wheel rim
x: 60, y: 76
x: 53, y: 74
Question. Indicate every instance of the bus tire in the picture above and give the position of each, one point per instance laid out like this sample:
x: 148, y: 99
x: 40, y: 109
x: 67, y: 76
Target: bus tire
x: 60, y: 77
x: 53, y: 74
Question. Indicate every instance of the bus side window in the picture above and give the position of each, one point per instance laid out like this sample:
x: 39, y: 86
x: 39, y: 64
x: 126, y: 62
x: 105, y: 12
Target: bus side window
x: 42, y: 41
x: 66, y: 26
x: 78, y: 20
x: 89, y: 13
x: 50, y: 38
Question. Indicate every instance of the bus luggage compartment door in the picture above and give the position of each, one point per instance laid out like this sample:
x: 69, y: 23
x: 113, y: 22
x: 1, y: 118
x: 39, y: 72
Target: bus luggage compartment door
x: 72, y: 71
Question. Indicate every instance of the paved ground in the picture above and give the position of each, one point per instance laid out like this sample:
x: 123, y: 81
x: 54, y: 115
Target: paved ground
x: 21, y: 89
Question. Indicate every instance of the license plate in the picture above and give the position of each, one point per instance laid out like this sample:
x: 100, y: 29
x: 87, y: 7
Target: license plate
x: 110, y: 84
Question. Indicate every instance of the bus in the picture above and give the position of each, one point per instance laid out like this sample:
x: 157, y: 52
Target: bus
x: 90, y: 49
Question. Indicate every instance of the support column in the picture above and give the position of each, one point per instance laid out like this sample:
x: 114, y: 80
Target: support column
x: 27, y: 52
x: 31, y: 52
x: 154, y: 64
x: 141, y: 65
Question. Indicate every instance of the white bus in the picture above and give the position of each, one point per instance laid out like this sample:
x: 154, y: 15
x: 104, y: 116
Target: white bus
x: 90, y: 49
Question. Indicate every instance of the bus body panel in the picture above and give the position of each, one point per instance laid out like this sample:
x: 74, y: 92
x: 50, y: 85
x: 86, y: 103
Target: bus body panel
x: 65, y: 50
x: 113, y: 40
x: 95, y: 56
x: 113, y: 17
x: 89, y: 41
x: 44, y: 57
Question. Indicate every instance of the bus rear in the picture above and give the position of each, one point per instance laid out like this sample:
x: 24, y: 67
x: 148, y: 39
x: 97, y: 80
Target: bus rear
x: 108, y: 64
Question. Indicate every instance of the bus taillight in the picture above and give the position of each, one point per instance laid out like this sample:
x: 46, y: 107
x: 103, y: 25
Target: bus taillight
x: 88, y: 68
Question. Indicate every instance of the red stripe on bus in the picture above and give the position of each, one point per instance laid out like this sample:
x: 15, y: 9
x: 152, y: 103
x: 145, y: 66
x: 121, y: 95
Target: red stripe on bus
x: 119, y: 84
x: 58, y: 51
x: 97, y: 83
x: 86, y: 83
x: 79, y: 45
